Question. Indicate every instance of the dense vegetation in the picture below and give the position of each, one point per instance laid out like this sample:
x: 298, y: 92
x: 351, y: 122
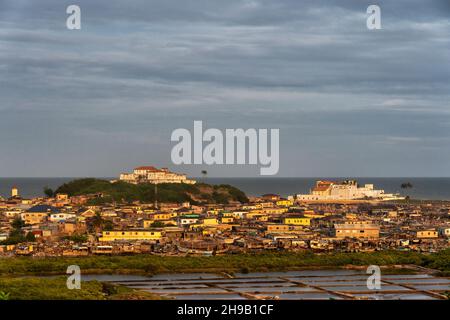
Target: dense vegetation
x: 16, y: 235
x: 150, y: 264
x: 166, y: 192
x: 56, y: 289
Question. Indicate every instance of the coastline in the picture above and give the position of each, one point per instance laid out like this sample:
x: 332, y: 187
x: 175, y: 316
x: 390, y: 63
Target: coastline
x: 424, y: 188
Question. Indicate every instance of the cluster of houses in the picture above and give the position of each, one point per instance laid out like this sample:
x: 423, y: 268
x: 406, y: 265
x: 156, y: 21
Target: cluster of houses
x: 64, y: 225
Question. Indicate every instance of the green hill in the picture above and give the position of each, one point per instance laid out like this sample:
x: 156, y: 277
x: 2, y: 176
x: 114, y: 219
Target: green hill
x: 167, y: 192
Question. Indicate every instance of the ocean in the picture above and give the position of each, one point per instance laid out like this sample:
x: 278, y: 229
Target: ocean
x: 423, y: 188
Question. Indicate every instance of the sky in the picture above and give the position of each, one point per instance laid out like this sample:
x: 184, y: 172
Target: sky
x: 348, y: 101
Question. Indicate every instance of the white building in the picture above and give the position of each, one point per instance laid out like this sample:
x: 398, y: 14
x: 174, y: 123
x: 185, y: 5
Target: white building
x: 61, y: 217
x: 150, y: 174
x: 14, y: 192
x: 187, y: 221
x: 345, y: 190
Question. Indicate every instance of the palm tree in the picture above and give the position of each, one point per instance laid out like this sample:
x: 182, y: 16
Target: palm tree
x: 97, y: 222
x: 204, y: 174
x: 406, y: 185
x: 4, y: 295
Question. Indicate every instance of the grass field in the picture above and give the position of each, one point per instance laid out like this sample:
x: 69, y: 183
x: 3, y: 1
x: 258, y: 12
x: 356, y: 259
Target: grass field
x: 151, y: 264
x: 33, y: 288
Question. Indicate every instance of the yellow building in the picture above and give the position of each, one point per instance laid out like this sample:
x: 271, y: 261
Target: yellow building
x: 253, y: 212
x: 34, y: 217
x: 206, y: 222
x: 299, y: 221
x: 227, y: 220
x: 313, y: 215
x: 227, y: 214
x: 277, y: 228
x: 351, y: 216
x: 284, y: 203
x: 360, y: 229
x: 62, y: 196
x: 130, y: 235
x: 427, y: 234
x: 274, y: 210
x: 161, y: 216
x: 209, y: 221
x: 262, y: 217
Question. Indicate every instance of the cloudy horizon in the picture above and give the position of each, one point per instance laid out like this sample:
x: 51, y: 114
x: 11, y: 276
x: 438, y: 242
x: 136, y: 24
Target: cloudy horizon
x: 349, y: 102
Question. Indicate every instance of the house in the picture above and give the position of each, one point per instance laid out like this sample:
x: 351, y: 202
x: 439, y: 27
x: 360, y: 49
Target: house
x: 38, y: 214
x: 209, y: 221
x: 60, y: 217
x: 271, y: 197
x: 274, y: 227
x: 161, y: 216
x: 11, y: 213
x: 297, y: 220
x: 86, y: 213
x: 188, y: 219
x: 226, y: 220
x: 130, y: 235
x: 62, y: 197
x: 359, y: 229
x: 445, y: 231
x: 284, y: 203
x: 274, y: 210
x: 427, y: 234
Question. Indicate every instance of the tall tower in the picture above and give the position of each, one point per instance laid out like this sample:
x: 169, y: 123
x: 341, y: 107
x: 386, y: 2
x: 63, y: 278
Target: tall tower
x: 14, y: 192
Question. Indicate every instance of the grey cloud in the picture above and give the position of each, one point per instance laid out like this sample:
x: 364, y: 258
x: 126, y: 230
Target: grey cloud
x: 143, y: 68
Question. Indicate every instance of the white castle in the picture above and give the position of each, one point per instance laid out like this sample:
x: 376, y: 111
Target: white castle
x: 150, y: 174
x: 346, y: 190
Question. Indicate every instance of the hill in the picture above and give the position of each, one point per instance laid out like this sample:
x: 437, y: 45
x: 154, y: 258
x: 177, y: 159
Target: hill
x: 167, y: 192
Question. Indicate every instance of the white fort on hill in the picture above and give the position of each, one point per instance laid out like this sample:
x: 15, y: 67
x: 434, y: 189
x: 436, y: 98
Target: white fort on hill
x: 150, y: 174
x: 345, y: 190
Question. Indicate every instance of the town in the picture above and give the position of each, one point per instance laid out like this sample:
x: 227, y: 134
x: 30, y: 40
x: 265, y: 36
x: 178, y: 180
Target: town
x: 73, y: 225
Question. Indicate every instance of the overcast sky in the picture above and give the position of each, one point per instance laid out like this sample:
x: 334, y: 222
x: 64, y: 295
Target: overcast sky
x: 348, y: 101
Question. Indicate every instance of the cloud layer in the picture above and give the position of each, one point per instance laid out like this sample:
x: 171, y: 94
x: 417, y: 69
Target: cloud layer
x: 348, y: 101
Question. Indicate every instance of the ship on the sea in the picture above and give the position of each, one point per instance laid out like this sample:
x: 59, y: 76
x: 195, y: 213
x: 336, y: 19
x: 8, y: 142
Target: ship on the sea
x: 325, y: 190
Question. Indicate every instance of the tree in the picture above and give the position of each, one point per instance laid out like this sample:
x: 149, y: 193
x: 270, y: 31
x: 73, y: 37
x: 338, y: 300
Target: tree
x: 78, y: 238
x: 406, y: 185
x: 97, y: 222
x: 30, y: 237
x: 14, y: 237
x: 4, y: 295
x: 157, y: 224
x: 18, y: 223
x: 204, y: 174
x: 108, y: 225
x: 48, y: 192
